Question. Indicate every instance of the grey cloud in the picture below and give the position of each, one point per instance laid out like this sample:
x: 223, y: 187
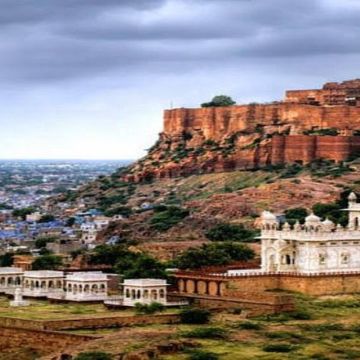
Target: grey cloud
x: 47, y: 40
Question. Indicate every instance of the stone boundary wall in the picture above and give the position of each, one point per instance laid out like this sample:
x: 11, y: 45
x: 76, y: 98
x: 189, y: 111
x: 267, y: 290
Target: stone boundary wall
x: 312, y: 284
x: 43, y: 342
x: 88, y: 323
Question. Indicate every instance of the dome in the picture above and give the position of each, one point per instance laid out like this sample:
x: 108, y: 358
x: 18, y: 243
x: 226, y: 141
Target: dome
x: 352, y: 196
x: 312, y: 218
x: 268, y: 216
x: 328, y: 224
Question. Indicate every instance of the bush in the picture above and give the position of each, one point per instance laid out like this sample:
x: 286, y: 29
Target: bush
x: 223, y: 232
x: 195, y: 316
x: 149, y: 308
x: 203, y: 355
x: 219, y: 100
x: 93, y: 355
x: 296, y: 214
x: 280, y: 348
x: 166, y: 217
x: 249, y: 325
x: 206, y: 333
x: 47, y: 262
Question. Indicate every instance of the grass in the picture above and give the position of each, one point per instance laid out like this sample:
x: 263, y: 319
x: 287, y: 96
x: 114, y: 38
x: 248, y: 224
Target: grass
x: 43, y: 310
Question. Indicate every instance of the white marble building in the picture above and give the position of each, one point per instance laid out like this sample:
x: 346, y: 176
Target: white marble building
x: 317, y: 246
x: 86, y: 286
x: 10, y: 278
x: 144, y: 291
x: 43, y: 283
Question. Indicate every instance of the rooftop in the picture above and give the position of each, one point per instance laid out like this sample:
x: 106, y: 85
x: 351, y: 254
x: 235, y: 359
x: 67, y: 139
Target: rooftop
x: 144, y: 282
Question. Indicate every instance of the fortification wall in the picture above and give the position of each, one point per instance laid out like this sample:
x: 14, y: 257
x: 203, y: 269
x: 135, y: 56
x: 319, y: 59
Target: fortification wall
x: 43, y: 342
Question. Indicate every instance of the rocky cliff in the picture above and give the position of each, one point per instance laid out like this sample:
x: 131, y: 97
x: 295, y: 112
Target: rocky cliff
x: 218, y: 139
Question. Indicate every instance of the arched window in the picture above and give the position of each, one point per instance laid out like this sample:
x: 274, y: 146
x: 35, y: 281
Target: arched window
x: 146, y: 294
x: 127, y: 293
x: 162, y: 293
x: 10, y: 281
x: 133, y: 295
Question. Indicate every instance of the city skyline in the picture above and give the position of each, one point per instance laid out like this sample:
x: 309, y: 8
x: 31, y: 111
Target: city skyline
x: 90, y: 79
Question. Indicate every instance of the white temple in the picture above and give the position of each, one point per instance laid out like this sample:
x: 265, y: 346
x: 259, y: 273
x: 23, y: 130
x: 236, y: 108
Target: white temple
x: 315, y: 247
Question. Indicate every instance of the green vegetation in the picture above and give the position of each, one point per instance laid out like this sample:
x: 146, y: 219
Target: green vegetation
x: 47, y: 262
x: 127, y: 263
x: 280, y: 348
x: 219, y: 100
x: 214, y: 254
x: 166, y: 217
x: 152, y: 308
x: 296, y: 214
x: 21, y: 213
x: 202, y: 355
x: 195, y: 316
x: 230, y: 232
x: 93, y: 355
x: 6, y: 260
x: 41, y: 242
x: 206, y: 333
x: 46, y: 218
x: 322, y: 132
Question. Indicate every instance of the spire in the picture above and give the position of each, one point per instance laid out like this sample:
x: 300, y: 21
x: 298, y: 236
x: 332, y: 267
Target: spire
x: 352, y: 197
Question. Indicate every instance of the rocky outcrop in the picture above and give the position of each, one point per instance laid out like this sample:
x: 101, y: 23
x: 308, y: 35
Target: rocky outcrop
x: 219, y: 139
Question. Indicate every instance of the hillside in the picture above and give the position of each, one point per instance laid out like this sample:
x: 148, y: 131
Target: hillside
x: 229, y: 197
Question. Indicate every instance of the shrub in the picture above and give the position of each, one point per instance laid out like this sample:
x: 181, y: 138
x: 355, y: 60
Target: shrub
x: 206, y: 333
x: 249, y: 325
x: 195, y: 316
x: 223, y: 232
x: 295, y: 214
x: 47, y: 262
x: 214, y: 254
x: 280, y: 348
x: 93, y: 355
x: 165, y: 218
x: 219, y: 100
x: 203, y: 355
x: 149, y: 308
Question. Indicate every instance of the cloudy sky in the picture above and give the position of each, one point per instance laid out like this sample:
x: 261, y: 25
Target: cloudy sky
x: 90, y: 78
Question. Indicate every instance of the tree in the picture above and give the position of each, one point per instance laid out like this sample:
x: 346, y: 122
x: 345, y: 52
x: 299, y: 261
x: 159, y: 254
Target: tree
x: 42, y: 241
x: 46, y: 218
x: 93, y: 355
x: 214, y: 254
x: 21, y: 213
x: 47, y: 262
x: 70, y: 221
x: 143, y: 266
x: 166, y: 217
x: 219, y: 100
x: 195, y: 316
x: 109, y: 254
x: 6, y: 260
x: 296, y: 214
x: 224, y: 232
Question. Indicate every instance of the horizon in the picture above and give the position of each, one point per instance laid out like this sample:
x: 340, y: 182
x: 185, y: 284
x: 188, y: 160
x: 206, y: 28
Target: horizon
x: 90, y: 80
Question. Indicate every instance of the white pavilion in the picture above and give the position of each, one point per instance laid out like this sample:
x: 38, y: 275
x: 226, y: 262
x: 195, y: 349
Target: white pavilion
x: 10, y: 278
x: 86, y: 286
x: 43, y: 283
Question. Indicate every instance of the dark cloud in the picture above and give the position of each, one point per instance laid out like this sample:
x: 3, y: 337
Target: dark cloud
x: 46, y: 40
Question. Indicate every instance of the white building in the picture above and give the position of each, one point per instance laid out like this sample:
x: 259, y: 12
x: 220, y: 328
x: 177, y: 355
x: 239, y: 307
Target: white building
x: 144, y: 291
x: 86, y: 286
x: 316, y: 246
x: 43, y: 283
x: 10, y: 278
x: 33, y: 217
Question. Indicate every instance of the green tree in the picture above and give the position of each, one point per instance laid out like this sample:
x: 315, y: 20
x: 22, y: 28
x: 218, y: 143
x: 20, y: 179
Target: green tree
x: 70, y: 222
x: 6, y: 260
x: 47, y: 262
x: 296, y: 214
x: 195, y: 316
x: 220, y: 100
x: 21, y: 213
x: 41, y: 242
x: 166, y: 217
x: 214, y: 254
x: 46, y: 218
x: 230, y: 232
x: 142, y: 266
x: 93, y: 355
